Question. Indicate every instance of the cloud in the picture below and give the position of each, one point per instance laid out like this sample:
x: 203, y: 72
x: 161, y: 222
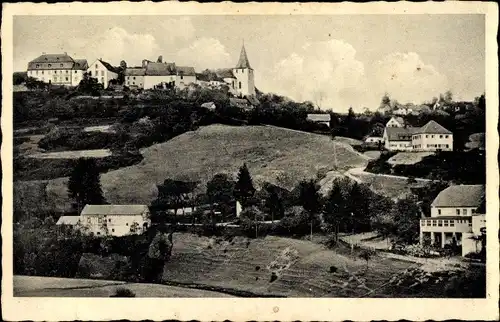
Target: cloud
x: 204, y: 53
x: 176, y: 29
x: 407, y: 78
x: 116, y: 44
x: 326, y: 73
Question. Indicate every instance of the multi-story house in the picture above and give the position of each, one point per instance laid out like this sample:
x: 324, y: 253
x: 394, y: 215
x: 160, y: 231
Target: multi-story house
x: 103, y: 71
x: 134, y: 77
x: 113, y: 220
x: 430, y: 137
x: 57, y: 69
x: 457, y: 214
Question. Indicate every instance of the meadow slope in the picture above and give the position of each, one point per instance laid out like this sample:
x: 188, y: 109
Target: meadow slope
x: 269, y: 152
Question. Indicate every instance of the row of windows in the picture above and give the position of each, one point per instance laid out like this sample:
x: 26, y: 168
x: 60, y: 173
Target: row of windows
x: 443, y: 223
x: 55, y: 72
x: 429, y: 146
x: 96, y: 73
x: 464, y: 211
x: 399, y: 145
x: 50, y: 65
x: 419, y: 136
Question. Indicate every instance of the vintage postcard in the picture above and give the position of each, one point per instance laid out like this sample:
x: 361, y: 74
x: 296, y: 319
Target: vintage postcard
x: 250, y: 161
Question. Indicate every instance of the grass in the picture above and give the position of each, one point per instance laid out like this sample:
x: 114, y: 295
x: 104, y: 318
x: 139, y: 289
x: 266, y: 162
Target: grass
x: 70, y: 287
x: 408, y: 157
x: 269, y: 152
x: 276, y: 266
x: 98, y: 153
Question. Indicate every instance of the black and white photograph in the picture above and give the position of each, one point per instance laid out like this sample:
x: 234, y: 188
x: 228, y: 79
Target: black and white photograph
x: 231, y: 155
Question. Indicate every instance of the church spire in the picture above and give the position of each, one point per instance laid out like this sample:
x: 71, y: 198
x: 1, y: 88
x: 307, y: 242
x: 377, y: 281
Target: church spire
x: 243, y: 61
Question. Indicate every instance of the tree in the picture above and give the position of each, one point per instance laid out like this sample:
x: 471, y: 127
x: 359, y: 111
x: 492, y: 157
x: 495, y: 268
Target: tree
x: 309, y: 199
x: 366, y: 255
x: 244, y: 189
x: 160, y: 59
x: 386, y: 100
x: 407, y: 218
x: 448, y: 97
x: 220, y: 191
x: 274, y: 202
x: 335, y: 211
x: 121, y: 72
x: 173, y: 194
x: 84, y: 185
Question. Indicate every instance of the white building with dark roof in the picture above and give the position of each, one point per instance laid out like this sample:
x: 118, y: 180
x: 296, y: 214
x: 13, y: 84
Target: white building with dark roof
x: 134, y: 77
x: 456, y: 214
x: 103, y: 71
x: 57, y: 69
x: 428, y: 138
x: 319, y: 118
x: 115, y: 220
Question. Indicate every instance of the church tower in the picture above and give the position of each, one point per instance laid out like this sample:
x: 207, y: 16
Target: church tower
x: 245, y: 84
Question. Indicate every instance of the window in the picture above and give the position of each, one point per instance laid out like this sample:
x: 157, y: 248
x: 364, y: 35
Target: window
x: 446, y: 136
x: 109, y: 220
x: 37, y: 72
x: 61, y: 65
x: 55, y: 79
x: 67, y: 71
x: 98, y: 233
x: 422, y: 223
x: 426, y: 136
x: 440, y: 223
x: 133, y: 83
x: 37, y: 66
x: 440, y: 136
x: 113, y: 230
x: 473, y: 211
x: 439, y: 211
x: 50, y: 65
x: 126, y: 224
x: 133, y: 77
x: 96, y: 66
x: 445, y: 223
x: 88, y: 220
x: 458, y: 211
x: 75, y: 71
x: 240, y: 85
x: 55, y: 72
x: 452, y: 223
x: 434, y: 222
x: 464, y: 212
x: 67, y: 79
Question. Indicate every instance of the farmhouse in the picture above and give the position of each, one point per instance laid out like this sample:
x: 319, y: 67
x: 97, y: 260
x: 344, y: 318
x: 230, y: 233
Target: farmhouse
x: 319, y: 118
x: 430, y: 137
x: 57, y: 69
x: 115, y: 220
x: 154, y: 74
x: 103, y: 71
x: 456, y: 215
x: 134, y: 77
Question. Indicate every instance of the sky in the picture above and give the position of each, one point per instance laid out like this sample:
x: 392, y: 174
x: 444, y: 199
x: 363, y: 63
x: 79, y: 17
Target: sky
x: 335, y: 61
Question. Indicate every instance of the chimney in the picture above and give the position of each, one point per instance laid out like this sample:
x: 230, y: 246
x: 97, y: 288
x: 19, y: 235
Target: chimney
x: 144, y: 63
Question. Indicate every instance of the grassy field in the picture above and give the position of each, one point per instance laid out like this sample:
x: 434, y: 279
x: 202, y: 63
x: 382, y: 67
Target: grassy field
x: 408, y: 157
x: 69, y: 287
x: 98, y: 153
x: 269, y: 152
x: 302, y: 267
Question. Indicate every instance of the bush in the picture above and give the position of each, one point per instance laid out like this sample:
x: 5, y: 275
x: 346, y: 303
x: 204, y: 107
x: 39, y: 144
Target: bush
x: 123, y: 292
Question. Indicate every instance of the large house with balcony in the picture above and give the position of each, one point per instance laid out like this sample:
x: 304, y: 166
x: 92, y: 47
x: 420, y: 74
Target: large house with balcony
x: 57, y: 69
x: 398, y: 136
x: 113, y: 220
x: 458, y: 214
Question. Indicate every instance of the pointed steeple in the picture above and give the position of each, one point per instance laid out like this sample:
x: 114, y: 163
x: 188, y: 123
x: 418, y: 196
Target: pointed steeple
x: 243, y: 61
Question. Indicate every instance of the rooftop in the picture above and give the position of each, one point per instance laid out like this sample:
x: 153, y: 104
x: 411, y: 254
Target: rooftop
x: 399, y: 133
x: 243, y: 61
x: 432, y: 127
x: 90, y: 210
x: 461, y: 196
x: 68, y: 220
x: 318, y: 117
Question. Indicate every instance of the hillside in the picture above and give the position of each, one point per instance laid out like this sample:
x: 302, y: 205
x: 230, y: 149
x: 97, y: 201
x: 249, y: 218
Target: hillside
x: 270, y: 153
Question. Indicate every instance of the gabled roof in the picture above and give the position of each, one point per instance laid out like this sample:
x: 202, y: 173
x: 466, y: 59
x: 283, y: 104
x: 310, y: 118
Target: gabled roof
x: 185, y: 71
x: 68, y: 220
x: 114, y: 210
x: 53, y: 58
x: 399, y: 133
x: 470, y: 195
x: 160, y: 69
x: 108, y: 66
x: 398, y: 119
x: 225, y: 73
x: 432, y: 127
x: 243, y: 61
x: 80, y: 64
x: 135, y: 72
x: 319, y: 117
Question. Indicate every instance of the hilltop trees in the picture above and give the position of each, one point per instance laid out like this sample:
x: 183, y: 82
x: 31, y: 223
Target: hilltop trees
x: 84, y: 186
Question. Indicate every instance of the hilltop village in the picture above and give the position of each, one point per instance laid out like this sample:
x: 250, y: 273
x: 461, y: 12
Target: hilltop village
x: 193, y: 169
